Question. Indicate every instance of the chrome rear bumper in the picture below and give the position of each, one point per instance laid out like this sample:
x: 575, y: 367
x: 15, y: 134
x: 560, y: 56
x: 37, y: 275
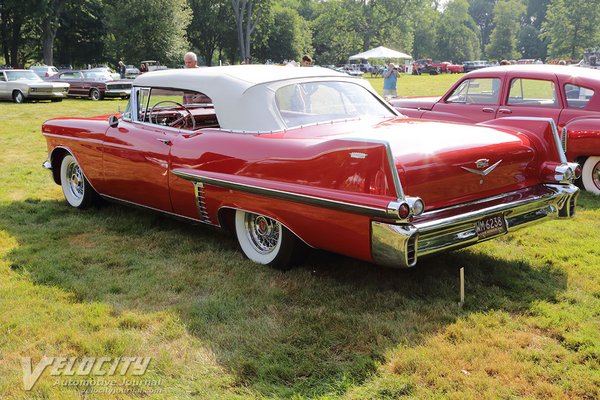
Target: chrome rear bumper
x: 400, y: 245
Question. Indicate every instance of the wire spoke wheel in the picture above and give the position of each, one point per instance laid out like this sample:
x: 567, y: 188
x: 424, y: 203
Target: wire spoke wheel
x: 264, y: 233
x: 265, y: 240
x: 75, y: 180
x: 76, y: 189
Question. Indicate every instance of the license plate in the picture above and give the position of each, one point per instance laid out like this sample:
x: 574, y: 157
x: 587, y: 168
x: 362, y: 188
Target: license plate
x: 491, y: 226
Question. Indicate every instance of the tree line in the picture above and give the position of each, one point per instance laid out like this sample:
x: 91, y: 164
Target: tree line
x: 81, y: 32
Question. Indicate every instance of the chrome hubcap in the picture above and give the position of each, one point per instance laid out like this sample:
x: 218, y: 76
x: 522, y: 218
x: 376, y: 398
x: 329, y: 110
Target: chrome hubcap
x: 75, y: 180
x: 262, y: 232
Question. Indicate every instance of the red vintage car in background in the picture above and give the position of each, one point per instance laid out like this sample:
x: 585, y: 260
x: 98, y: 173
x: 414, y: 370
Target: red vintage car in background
x: 568, y: 95
x: 287, y: 157
x: 427, y: 66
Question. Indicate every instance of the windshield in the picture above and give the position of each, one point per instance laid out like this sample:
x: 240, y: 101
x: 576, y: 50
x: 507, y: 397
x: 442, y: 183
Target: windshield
x: 312, y: 102
x: 22, y: 76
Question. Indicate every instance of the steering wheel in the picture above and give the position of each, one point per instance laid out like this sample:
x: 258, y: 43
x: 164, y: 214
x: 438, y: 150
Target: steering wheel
x: 184, y: 115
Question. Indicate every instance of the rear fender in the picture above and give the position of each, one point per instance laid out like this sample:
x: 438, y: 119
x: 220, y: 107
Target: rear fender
x: 543, y: 132
x: 582, y: 138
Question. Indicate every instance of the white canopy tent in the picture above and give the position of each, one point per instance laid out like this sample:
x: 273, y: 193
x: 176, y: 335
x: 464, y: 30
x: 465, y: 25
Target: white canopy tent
x: 380, y: 52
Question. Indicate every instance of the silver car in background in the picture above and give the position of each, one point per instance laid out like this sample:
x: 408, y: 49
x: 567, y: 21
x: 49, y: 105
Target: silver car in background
x: 20, y: 85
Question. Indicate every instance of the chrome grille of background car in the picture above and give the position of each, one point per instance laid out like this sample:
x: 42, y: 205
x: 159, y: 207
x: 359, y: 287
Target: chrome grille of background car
x: 114, y: 86
x: 45, y: 90
x: 563, y: 138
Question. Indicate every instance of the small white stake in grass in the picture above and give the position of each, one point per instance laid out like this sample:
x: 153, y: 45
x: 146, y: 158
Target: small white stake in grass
x: 462, y: 287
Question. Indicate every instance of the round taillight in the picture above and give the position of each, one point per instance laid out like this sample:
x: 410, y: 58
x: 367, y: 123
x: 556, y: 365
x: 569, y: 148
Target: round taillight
x: 404, y: 210
x: 577, y: 171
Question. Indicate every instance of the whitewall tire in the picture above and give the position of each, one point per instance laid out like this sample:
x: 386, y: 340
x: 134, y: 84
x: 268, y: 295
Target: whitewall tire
x: 590, y: 175
x: 77, y: 190
x: 264, y: 240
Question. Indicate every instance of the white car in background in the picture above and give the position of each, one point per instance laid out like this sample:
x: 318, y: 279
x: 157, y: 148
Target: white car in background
x: 20, y: 85
x: 44, y: 71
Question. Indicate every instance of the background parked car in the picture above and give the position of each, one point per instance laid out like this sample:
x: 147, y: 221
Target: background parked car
x: 93, y: 83
x: 570, y: 96
x: 469, y: 66
x: 152, y: 65
x: 44, y: 71
x: 113, y: 74
x: 20, y: 85
x: 131, y: 72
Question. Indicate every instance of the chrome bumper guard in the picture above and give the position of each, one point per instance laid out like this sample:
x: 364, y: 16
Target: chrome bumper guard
x: 400, y: 245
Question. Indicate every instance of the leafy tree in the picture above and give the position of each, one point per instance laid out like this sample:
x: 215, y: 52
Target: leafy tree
x: 149, y: 29
x: 536, y: 12
x: 16, y: 23
x: 530, y: 43
x: 425, y: 22
x: 289, y: 38
x: 385, y: 22
x: 247, y: 14
x: 503, y: 39
x: 81, y: 36
x: 457, y: 34
x: 207, y: 29
x: 336, y: 35
x: 571, y: 26
x: 482, y: 12
x: 50, y: 23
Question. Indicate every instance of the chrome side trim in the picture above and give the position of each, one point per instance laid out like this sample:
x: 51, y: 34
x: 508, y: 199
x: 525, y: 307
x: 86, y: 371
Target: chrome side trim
x: 47, y: 164
x: 453, y: 228
x: 289, y: 196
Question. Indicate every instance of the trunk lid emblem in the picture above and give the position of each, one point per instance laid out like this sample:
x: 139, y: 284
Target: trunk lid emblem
x: 480, y: 164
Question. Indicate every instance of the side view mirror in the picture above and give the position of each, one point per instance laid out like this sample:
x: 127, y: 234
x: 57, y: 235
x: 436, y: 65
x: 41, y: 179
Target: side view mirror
x: 113, y: 121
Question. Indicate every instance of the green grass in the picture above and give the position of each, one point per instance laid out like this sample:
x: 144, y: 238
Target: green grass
x: 418, y: 85
x: 115, y: 281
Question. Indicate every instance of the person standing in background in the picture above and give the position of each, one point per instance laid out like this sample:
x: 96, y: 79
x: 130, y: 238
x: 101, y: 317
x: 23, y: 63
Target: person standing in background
x: 121, y: 69
x: 190, y: 60
x: 390, y: 79
x: 307, y: 61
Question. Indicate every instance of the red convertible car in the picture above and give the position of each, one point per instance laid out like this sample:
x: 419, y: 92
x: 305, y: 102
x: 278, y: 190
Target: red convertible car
x: 289, y: 156
x: 568, y: 95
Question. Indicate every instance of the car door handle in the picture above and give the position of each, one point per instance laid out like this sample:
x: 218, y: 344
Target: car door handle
x: 504, y: 111
x: 488, y: 110
x: 165, y: 141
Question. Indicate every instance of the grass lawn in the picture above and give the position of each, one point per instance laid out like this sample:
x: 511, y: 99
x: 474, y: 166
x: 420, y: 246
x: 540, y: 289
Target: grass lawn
x: 114, y: 281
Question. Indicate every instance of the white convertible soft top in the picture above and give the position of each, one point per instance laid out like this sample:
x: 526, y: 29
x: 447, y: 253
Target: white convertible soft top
x: 243, y: 95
